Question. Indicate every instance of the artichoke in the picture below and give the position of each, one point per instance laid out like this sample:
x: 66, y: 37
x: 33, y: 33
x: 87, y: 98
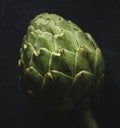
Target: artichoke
x: 60, y: 63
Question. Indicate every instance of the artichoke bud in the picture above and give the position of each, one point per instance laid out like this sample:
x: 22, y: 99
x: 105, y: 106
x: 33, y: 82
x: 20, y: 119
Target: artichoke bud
x: 57, y: 56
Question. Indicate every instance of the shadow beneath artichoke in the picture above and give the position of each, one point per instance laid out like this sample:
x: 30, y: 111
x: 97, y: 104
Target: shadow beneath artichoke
x: 106, y: 111
x: 45, y: 115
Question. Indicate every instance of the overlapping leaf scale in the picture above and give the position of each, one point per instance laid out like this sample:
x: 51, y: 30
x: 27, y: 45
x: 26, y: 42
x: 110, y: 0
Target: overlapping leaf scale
x: 99, y: 63
x: 44, y: 40
x: 65, y: 40
x: 82, y: 60
x: 40, y: 60
x: 34, y: 77
x: 56, y: 62
x: 26, y: 54
x: 56, y: 76
x: 83, y: 82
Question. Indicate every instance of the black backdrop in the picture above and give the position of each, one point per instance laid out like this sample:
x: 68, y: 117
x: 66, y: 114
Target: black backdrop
x: 100, y: 18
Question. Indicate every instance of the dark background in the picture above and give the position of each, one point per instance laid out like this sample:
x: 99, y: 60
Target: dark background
x: 100, y: 18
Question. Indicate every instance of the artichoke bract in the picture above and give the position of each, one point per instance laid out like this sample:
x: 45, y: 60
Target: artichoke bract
x: 59, y: 62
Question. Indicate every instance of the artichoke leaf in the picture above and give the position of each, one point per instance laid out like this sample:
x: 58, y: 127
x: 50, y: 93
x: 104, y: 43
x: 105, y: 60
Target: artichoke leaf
x: 63, y: 24
x: 83, y: 40
x: 34, y: 78
x: 30, y: 29
x: 92, y: 40
x: 65, y: 40
x: 53, y: 28
x: 68, y: 58
x: 81, y: 60
x: 99, y: 62
x: 31, y: 37
x: 27, y: 53
x: 80, y: 37
x: 73, y: 26
x: 41, y: 60
x: 45, y: 40
x: 31, y: 72
x: 83, y: 84
x: 56, y: 63
x: 56, y: 77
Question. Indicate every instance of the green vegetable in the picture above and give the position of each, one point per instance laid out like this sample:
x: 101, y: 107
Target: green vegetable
x: 61, y: 64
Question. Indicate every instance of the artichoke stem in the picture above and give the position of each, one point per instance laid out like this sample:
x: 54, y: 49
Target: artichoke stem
x: 88, y: 119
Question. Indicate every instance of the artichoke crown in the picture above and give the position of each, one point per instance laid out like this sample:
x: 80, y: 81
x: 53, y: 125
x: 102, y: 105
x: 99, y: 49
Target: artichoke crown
x: 58, y: 59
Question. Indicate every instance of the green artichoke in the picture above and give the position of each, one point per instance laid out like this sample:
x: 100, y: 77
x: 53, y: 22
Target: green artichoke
x: 59, y: 62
